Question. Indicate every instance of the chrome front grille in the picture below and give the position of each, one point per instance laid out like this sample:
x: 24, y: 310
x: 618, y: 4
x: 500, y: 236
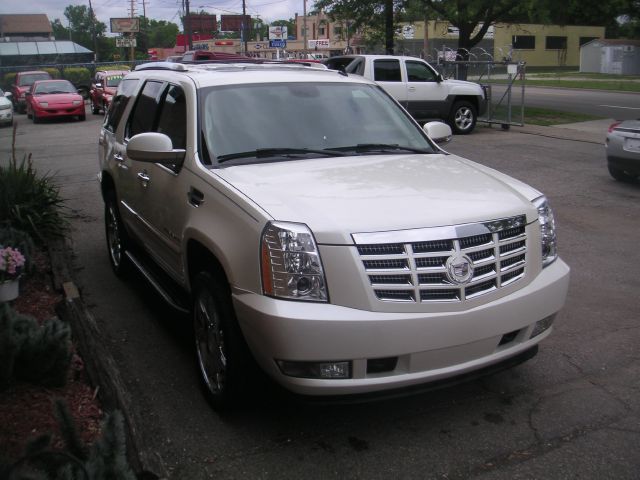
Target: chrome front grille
x: 422, y: 270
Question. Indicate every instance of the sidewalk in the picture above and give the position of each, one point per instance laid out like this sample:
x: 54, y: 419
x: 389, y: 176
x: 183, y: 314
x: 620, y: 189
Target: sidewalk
x: 594, y: 131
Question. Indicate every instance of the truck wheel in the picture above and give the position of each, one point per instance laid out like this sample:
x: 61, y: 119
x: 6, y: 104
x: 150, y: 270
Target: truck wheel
x: 117, y: 240
x: 222, y: 355
x: 620, y: 175
x: 463, y: 117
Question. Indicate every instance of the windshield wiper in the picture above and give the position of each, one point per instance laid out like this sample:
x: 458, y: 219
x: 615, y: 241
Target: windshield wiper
x: 381, y: 147
x: 275, y: 152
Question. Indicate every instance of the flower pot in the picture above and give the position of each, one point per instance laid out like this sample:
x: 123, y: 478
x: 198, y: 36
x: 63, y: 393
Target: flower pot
x: 9, y: 290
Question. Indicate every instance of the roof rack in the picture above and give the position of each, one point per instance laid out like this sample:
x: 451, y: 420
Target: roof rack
x: 176, y: 67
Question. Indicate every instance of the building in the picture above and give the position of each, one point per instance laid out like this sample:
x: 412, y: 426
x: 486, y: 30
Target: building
x: 620, y: 57
x: 25, y: 28
x: 28, y: 40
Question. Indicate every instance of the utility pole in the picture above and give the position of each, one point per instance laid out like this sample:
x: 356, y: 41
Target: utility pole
x: 187, y: 25
x: 93, y: 33
x: 132, y: 35
x: 243, y: 27
x: 304, y: 25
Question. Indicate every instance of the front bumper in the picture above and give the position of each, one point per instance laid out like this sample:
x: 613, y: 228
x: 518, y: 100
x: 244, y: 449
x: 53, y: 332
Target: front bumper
x: 62, y: 111
x: 6, y: 116
x: 429, y: 346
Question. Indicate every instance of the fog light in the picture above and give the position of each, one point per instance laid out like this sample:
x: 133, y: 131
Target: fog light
x: 542, y: 325
x: 333, y: 370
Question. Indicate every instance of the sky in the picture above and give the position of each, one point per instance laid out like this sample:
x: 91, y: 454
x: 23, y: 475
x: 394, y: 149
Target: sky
x: 268, y: 10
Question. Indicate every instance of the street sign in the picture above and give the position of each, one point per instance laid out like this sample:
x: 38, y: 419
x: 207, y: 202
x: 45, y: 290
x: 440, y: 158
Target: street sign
x: 277, y: 44
x: 126, y: 42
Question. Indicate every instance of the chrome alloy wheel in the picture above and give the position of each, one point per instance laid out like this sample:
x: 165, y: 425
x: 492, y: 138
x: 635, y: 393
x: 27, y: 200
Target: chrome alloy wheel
x: 114, y: 240
x: 464, y: 118
x: 210, y: 343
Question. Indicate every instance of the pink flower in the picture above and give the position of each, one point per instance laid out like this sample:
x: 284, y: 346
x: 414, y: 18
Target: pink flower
x: 11, y: 263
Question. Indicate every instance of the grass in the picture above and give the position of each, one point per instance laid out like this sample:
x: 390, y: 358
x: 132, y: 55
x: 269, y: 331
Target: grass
x: 543, y: 116
x: 593, y: 81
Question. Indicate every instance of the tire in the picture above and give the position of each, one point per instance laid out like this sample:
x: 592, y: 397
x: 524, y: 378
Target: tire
x: 94, y: 109
x: 82, y: 118
x: 222, y: 356
x: 35, y: 118
x: 463, y: 117
x: 117, y: 240
x: 621, y: 175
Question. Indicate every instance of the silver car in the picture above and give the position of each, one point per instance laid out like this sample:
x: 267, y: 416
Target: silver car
x: 623, y: 150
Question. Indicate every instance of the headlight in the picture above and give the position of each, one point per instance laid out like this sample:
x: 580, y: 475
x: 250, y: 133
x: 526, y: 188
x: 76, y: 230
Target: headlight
x: 77, y: 102
x: 43, y: 104
x: 547, y: 231
x: 291, y: 266
x: 5, y: 107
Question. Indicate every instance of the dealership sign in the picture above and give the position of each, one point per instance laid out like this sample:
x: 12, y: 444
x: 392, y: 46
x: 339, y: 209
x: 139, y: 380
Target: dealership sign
x: 125, y: 25
x: 278, y: 33
x: 320, y: 43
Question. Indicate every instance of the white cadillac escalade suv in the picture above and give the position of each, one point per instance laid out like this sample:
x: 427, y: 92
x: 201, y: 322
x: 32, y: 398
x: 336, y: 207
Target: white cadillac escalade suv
x: 308, y: 223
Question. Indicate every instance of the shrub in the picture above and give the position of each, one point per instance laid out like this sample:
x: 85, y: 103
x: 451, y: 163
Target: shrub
x: 33, y: 353
x: 7, y: 80
x: 104, y: 460
x: 30, y: 202
x: 114, y: 67
x: 54, y: 72
x: 77, y: 75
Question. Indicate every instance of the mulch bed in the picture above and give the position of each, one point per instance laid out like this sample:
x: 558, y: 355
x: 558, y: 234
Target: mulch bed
x: 27, y: 411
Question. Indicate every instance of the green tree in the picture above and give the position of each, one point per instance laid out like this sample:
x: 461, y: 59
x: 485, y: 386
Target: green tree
x: 155, y: 34
x: 82, y: 27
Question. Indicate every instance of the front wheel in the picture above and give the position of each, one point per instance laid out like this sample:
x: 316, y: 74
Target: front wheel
x: 463, y: 117
x: 221, y: 353
x: 116, y: 236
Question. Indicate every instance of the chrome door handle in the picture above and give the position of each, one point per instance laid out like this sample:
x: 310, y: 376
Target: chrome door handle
x: 144, y: 177
x: 118, y: 158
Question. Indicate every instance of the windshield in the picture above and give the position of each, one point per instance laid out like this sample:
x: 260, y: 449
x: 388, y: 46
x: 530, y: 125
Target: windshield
x: 27, y: 80
x: 114, y: 81
x: 334, y: 117
x: 57, y: 86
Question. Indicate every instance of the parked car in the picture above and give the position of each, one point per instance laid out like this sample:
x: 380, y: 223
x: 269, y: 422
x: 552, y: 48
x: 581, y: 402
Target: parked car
x: 623, y: 150
x: 21, y: 85
x: 6, y: 110
x: 419, y: 88
x: 324, y: 235
x: 103, y: 88
x: 54, y: 99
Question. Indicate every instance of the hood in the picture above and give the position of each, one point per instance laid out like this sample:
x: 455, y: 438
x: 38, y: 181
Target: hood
x: 58, y: 98
x: 337, y: 197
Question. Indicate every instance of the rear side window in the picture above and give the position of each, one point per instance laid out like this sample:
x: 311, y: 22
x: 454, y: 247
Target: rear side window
x: 119, y: 103
x: 387, y: 71
x: 419, y: 72
x: 145, y: 109
x: 173, y: 117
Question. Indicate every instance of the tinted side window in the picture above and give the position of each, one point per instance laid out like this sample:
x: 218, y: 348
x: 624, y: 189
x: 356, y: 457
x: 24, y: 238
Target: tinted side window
x: 145, y: 110
x: 387, y: 71
x: 173, y: 117
x: 419, y: 72
x: 119, y: 103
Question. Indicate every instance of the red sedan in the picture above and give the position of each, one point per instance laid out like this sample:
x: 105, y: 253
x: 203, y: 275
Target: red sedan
x: 53, y: 99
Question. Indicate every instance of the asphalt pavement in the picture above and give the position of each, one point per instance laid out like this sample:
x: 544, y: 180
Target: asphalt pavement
x: 572, y: 412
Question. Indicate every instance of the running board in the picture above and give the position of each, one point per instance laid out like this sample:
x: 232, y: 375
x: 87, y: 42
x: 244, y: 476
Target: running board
x: 156, y: 284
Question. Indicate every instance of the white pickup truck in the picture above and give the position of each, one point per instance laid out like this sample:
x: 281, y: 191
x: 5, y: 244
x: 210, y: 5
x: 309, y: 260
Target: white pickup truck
x: 419, y: 88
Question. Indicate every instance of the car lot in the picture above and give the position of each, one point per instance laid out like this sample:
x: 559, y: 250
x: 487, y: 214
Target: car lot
x: 573, y: 411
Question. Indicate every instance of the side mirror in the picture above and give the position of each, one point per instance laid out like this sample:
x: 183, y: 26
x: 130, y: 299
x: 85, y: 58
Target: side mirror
x: 8, y: 95
x: 439, y: 78
x: 438, y: 132
x: 154, y: 147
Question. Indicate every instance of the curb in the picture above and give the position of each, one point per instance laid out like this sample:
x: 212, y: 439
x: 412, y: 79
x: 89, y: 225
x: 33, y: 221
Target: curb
x: 100, y: 364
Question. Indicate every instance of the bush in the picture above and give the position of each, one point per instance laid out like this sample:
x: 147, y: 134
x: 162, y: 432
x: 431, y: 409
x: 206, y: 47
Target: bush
x: 33, y: 353
x: 114, y: 67
x: 104, y: 460
x: 8, y: 79
x: 30, y: 202
x: 77, y: 75
x: 54, y: 72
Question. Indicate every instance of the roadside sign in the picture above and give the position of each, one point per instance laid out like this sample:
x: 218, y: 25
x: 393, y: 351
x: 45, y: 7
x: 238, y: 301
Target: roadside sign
x: 277, y: 44
x: 320, y: 43
x: 125, y: 25
x: 126, y: 42
x: 277, y: 33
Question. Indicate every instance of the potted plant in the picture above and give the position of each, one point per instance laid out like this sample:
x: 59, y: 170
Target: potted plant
x: 11, y: 264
